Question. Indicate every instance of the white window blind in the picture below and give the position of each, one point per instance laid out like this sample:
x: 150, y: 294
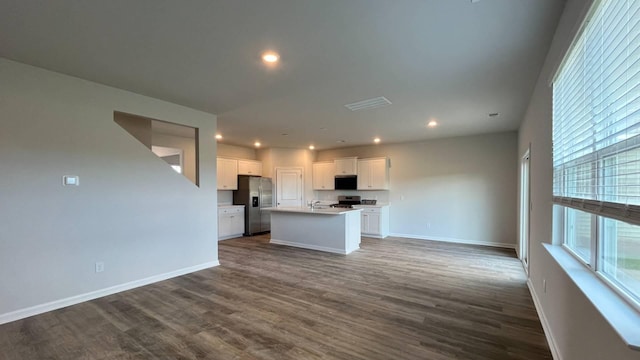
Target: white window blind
x: 596, y: 115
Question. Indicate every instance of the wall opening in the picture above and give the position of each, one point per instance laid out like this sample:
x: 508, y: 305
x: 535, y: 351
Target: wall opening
x: 175, y: 144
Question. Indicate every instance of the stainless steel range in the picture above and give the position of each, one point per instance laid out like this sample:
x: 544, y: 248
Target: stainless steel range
x: 347, y: 202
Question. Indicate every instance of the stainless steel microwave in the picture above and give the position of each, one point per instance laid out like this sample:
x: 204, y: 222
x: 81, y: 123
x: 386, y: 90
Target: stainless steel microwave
x: 346, y: 182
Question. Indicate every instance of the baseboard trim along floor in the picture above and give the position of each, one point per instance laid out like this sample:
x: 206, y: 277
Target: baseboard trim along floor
x: 545, y: 324
x: 58, y: 304
x: 308, y: 246
x: 458, y: 241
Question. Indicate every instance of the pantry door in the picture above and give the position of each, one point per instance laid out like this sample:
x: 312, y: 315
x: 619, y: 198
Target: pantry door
x: 289, y: 189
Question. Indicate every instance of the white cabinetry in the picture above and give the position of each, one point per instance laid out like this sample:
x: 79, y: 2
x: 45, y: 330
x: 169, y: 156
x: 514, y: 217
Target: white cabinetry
x: 323, y: 176
x: 374, y: 220
x: 230, y: 221
x: 346, y: 166
x: 227, y: 174
x: 373, y: 174
x: 249, y: 167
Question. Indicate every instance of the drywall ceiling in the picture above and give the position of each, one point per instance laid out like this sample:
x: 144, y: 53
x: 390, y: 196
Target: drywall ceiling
x: 450, y: 60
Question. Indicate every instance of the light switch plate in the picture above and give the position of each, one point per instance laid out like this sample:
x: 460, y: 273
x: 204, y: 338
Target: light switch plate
x: 70, y: 180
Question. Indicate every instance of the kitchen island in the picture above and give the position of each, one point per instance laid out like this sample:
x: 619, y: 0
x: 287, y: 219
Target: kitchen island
x: 331, y: 230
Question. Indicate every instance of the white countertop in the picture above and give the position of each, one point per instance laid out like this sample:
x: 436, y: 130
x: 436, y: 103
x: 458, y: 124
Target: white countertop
x: 306, y: 210
x: 229, y: 205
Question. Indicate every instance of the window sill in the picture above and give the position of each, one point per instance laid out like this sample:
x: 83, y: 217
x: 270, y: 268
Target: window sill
x: 624, y: 319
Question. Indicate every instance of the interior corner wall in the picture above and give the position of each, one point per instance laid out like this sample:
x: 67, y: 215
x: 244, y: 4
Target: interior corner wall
x: 459, y: 189
x: 130, y: 210
x: 189, y: 151
x: 576, y: 328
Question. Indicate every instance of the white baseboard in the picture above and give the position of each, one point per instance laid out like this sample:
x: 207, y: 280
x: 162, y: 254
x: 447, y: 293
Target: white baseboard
x: 312, y: 247
x: 545, y: 324
x: 58, y: 304
x: 457, y: 241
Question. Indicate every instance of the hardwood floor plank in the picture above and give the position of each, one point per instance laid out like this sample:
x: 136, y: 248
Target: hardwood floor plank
x: 392, y: 299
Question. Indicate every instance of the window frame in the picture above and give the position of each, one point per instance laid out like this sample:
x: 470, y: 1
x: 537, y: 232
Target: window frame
x: 584, y: 132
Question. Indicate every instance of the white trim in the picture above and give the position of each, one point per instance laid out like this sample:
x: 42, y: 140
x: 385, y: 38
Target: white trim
x: 458, y: 241
x: 61, y: 303
x: 376, y: 236
x: 234, y: 236
x: 313, y: 247
x: 545, y: 323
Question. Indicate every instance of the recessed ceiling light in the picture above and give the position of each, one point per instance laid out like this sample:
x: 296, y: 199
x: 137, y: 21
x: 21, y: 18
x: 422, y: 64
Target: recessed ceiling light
x: 257, y: 144
x: 218, y: 136
x: 432, y: 123
x: 311, y: 147
x: 270, y: 57
x: 494, y: 114
x: 376, y: 140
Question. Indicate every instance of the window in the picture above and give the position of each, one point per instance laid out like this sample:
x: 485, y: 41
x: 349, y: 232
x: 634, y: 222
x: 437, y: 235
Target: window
x: 596, y: 145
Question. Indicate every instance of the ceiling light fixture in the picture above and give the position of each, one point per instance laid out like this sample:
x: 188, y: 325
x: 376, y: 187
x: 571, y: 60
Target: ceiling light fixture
x: 311, y: 147
x: 218, y: 136
x: 257, y: 144
x: 376, y: 140
x: 432, y: 124
x: 270, y: 57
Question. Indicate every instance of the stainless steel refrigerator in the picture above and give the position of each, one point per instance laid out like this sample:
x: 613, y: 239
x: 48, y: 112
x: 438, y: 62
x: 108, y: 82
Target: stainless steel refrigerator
x: 255, y: 193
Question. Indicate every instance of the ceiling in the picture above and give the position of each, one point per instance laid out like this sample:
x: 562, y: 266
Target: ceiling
x: 450, y: 60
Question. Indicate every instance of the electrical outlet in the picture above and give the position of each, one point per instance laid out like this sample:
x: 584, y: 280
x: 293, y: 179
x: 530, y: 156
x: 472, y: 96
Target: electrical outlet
x: 99, y: 266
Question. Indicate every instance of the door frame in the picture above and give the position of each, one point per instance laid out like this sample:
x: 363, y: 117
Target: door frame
x: 525, y: 210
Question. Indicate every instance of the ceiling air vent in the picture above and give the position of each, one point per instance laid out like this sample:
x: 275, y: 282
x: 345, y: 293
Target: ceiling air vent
x: 369, y: 104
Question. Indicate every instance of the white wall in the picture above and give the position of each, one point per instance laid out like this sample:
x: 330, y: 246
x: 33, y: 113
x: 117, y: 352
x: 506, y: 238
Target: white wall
x: 578, y: 330
x: 131, y: 210
x: 458, y: 189
x: 236, y: 152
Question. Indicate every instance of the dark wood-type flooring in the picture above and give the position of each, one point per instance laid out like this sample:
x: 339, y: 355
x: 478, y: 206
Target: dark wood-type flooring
x: 392, y: 299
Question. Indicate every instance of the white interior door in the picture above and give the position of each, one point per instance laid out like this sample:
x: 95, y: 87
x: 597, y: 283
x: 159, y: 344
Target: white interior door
x: 289, y: 187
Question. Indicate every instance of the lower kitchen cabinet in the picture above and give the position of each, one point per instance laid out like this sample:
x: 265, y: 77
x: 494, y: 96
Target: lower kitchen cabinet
x: 374, y: 220
x: 230, y: 221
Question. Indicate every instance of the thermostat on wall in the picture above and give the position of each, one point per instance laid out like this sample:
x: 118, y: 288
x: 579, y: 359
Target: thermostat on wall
x: 70, y: 180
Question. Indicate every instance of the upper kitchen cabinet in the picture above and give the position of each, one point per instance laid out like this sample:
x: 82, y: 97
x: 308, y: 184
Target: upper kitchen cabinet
x: 346, y: 166
x: 227, y: 174
x: 323, y: 176
x: 373, y: 174
x: 250, y: 167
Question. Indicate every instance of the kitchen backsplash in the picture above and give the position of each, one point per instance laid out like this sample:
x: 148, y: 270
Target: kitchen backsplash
x: 382, y: 196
